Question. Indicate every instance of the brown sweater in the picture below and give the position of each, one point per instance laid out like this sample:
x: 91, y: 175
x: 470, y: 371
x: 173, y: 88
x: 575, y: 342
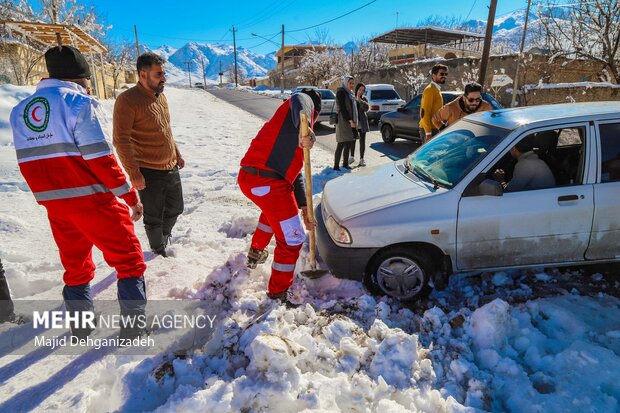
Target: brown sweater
x: 142, y: 134
x: 451, y: 112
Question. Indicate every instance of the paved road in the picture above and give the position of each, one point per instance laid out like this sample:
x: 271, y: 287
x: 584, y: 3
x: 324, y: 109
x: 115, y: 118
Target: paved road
x: 377, y: 152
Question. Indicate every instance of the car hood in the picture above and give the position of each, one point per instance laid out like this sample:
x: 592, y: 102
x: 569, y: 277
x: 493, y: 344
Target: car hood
x: 369, y: 189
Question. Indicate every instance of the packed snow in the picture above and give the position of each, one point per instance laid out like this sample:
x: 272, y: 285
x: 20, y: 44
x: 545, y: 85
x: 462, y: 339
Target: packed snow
x: 516, y: 341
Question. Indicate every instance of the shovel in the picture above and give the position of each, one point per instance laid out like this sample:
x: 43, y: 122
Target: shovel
x: 313, y: 272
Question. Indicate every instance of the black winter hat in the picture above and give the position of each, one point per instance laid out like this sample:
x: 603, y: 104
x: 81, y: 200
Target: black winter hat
x: 66, y: 62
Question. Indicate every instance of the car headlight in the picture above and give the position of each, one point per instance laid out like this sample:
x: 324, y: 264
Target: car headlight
x: 338, y: 233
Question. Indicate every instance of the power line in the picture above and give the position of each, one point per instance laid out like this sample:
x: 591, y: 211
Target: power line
x: 334, y: 19
x: 470, y: 10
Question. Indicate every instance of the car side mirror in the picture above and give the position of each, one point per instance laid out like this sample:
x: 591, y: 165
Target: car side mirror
x: 491, y: 188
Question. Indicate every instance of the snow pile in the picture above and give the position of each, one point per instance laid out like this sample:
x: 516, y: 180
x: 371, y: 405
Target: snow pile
x: 10, y: 96
x: 486, y: 343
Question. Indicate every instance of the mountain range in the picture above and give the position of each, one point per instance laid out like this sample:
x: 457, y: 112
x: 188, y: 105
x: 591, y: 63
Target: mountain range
x: 507, y: 30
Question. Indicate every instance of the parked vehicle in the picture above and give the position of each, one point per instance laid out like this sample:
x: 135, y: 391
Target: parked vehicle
x: 328, y: 102
x: 405, y: 122
x: 198, y: 84
x: 439, y: 211
x: 382, y: 98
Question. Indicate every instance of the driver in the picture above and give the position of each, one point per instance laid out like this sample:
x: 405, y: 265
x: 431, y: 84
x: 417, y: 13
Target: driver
x: 530, y: 171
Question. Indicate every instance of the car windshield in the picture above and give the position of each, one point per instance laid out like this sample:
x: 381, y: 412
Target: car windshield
x: 383, y: 94
x: 327, y: 94
x: 448, y: 157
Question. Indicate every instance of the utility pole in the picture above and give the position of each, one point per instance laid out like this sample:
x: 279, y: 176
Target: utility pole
x: 135, y: 32
x: 351, y: 71
x: 282, y: 66
x: 55, y: 21
x: 235, y: 49
x: 221, y: 73
x: 515, y: 82
x: 189, y: 72
x: 484, y: 61
x: 204, y: 79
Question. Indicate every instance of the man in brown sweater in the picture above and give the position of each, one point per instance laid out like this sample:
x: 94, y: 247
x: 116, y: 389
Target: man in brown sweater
x: 469, y: 103
x: 144, y: 143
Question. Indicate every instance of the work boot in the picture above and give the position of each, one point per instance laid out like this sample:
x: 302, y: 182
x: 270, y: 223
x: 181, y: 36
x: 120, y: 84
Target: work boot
x: 160, y: 251
x: 283, y: 297
x: 132, y: 300
x: 78, y: 299
x: 256, y: 257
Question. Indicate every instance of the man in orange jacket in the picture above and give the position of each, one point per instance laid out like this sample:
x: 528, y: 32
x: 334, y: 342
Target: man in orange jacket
x: 270, y: 176
x: 63, y: 153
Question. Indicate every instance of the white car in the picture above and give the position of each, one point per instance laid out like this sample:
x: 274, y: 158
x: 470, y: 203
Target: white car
x: 328, y: 102
x: 382, y: 98
x: 440, y: 211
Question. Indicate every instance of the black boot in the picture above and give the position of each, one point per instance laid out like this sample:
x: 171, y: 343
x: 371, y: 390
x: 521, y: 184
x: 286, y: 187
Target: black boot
x: 6, y: 304
x: 132, y: 300
x: 78, y: 300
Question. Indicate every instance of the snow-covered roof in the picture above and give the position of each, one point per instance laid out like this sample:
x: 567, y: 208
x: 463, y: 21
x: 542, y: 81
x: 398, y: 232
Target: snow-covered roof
x: 424, y: 34
x: 45, y: 33
x: 515, y: 117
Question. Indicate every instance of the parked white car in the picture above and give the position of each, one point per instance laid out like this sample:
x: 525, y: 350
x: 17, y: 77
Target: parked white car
x: 328, y: 102
x: 439, y: 211
x: 382, y: 98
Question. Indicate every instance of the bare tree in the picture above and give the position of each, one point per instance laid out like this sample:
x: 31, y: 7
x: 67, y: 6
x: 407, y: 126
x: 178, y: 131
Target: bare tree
x: 120, y: 57
x: 21, y: 59
x: 412, y: 80
x: 585, y: 29
x: 319, y: 66
x: 241, y: 74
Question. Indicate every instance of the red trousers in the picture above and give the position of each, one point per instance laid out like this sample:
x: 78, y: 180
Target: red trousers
x: 279, y: 217
x: 109, y: 228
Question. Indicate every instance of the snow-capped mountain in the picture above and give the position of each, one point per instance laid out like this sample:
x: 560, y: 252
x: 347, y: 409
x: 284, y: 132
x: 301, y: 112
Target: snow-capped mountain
x: 212, y: 54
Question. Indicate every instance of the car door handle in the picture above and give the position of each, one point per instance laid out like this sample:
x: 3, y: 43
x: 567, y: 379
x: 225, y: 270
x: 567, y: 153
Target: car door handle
x: 565, y: 198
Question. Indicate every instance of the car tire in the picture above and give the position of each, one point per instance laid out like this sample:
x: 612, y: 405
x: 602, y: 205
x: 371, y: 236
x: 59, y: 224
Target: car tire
x: 387, y: 134
x: 400, y: 272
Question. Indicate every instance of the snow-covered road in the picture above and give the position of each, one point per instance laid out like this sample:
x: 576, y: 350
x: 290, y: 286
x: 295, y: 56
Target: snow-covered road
x: 487, y: 343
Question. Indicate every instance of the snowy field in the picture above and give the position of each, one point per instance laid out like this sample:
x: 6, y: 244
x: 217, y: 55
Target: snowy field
x: 519, y: 341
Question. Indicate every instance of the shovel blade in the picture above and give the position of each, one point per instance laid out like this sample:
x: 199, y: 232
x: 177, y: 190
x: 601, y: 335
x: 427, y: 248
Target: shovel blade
x: 314, y: 274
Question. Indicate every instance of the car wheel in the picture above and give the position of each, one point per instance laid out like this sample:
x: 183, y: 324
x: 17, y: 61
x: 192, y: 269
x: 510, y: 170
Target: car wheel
x: 387, y: 133
x: 401, y: 273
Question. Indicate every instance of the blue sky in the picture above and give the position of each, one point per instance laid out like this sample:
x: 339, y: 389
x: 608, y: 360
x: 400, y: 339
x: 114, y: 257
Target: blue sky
x: 174, y: 23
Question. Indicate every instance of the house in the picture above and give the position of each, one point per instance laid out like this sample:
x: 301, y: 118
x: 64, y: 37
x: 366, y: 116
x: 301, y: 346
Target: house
x: 417, y: 43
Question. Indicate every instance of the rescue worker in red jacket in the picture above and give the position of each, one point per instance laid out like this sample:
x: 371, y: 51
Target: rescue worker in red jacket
x: 270, y: 176
x: 61, y: 140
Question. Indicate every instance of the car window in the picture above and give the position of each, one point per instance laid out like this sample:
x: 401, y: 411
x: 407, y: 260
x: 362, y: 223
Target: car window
x: 383, y: 94
x: 327, y: 94
x: 491, y: 100
x: 448, y: 97
x: 416, y: 102
x: 450, y: 156
x: 610, y: 152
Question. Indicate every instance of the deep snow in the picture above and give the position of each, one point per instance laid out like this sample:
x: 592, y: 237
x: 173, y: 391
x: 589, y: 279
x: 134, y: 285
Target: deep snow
x: 518, y: 341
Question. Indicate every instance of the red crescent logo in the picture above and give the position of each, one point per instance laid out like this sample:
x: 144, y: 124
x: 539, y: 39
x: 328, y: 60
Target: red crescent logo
x: 34, y: 111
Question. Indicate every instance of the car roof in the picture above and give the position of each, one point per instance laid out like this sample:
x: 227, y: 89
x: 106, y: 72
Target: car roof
x: 514, y: 117
x: 380, y: 86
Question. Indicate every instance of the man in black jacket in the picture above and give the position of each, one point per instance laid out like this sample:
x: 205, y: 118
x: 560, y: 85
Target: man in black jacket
x: 6, y: 304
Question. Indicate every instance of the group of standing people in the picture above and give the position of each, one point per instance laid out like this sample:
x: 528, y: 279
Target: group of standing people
x: 352, y: 123
x: 61, y: 140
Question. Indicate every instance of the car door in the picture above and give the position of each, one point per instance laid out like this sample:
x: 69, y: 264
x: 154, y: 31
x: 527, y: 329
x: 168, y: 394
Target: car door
x: 528, y: 227
x: 409, y: 118
x: 605, y: 239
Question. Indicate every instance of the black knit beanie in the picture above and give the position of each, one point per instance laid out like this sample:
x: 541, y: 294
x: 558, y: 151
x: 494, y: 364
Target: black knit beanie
x: 66, y: 62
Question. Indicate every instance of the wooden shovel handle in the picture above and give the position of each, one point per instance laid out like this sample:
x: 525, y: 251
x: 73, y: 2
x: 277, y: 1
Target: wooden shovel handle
x: 308, y: 174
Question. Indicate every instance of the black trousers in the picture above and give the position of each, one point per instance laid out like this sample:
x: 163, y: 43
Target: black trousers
x: 163, y: 203
x: 346, y: 147
x: 6, y: 304
x: 362, y: 140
